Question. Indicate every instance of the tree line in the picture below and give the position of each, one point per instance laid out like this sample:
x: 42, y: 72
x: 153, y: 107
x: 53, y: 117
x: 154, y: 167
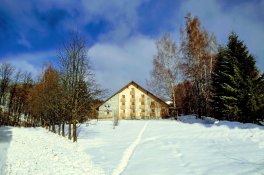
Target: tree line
x: 63, y: 95
x: 207, y: 79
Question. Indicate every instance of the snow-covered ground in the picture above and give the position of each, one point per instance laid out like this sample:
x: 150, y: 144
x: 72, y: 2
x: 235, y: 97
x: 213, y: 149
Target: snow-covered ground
x: 189, y: 146
x: 29, y: 151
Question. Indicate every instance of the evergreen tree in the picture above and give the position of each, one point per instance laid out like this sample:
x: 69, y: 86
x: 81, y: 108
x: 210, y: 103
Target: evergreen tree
x: 234, y: 78
x: 259, y: 89
x: 249, y: 74
x: 225, y: 83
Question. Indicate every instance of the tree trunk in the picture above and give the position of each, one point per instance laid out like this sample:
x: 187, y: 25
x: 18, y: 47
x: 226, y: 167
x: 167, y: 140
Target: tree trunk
x: 53, y: 127
x: 69, y: 131
x: 59, y: 129
x: 34, y: 123
x: 49, y: 127
x: 74, y: 131
x: 43, y: 124
x: 18, y: 118
x: 46, y: 125
x: 63, y: 131
x: 198, y: 99
x: 175, y: 112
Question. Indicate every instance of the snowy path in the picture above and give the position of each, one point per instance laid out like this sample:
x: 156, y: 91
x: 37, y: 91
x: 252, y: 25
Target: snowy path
x: 173, y: 147
x: 128, y: 153
x: 106, y: 145
x: 34, y: 151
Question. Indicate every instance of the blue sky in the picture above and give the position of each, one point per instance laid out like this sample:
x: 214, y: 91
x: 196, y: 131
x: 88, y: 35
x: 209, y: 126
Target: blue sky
x: 121, y: 33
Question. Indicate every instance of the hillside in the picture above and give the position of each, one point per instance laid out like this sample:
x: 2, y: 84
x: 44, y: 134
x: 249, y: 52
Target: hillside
x: 188, y: 146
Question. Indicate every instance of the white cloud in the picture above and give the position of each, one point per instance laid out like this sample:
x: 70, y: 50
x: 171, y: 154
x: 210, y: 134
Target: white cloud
x: 241, y: 18
x: 118, y: 64
x: 122, y: 14
x: 25, y: 66
x: 27, y: 62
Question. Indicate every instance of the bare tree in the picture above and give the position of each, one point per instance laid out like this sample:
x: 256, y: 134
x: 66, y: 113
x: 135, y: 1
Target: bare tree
x: 78, y: 80
x: 165, y: 74
x: 6, y: 71
x: 13, y: 93
x: 19, y: 89
x: 197, y: 49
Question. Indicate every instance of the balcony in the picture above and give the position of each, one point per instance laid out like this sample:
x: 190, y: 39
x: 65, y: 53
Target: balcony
x: 132, y: 92
x: 133, y: 114
x: 132, y: 100
x: 142, y: 106
x: 152, y: 114
x: 122, y: 115
x: 123, y: 100
x: 123, y: 107
x: 133, y: 107
x: 152, y: 105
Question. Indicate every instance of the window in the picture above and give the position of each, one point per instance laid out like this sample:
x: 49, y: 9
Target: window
x: 152, y: 110
x: 142, y: 95
x: 132, y: 89
x: 133, y: 110
x: 107, y: 112
x: 132, y: 96
x: 123, y: 103
x: 123, y: 96
x: 133, y: 103
x: 142, y: 103
x: 143, y: 110
x: 123, y: 111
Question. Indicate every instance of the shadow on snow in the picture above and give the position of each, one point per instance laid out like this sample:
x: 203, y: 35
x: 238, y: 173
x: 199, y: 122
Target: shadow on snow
x: 5, y: 139
x: 210, y: 122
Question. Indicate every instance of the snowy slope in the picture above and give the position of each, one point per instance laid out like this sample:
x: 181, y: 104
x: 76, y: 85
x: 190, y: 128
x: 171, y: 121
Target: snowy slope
x: 106, y: 145
x: 190, y: 146
x: 198, y: 149
x: 35, y: 151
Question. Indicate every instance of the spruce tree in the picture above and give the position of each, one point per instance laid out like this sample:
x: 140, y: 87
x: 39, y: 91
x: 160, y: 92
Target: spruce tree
x: 249, y: 75
x: 234, y: 82
x: 259, y: 89
x: 225, y: 85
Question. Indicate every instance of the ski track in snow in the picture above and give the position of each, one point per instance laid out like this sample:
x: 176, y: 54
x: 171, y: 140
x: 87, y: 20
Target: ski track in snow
x: 128, y: 153
x: 34, y: 151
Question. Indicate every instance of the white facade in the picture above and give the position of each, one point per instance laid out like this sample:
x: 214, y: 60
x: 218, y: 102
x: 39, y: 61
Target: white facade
x: 133, y: 102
